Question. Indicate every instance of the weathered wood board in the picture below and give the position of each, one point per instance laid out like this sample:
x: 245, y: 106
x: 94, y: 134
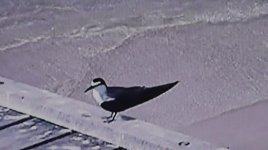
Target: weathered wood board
x: 9, y: 117
x: 29, y: 133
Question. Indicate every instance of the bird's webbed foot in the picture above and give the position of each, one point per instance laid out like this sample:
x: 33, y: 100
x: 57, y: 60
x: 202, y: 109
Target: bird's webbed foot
x: 108, y: 121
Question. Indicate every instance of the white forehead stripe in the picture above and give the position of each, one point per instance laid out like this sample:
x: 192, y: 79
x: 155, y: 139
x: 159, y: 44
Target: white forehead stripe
x: 95, y: 83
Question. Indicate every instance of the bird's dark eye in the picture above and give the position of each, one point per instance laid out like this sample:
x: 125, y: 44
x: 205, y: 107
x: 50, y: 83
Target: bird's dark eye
x: 95, y: 80
x: 98, y: 80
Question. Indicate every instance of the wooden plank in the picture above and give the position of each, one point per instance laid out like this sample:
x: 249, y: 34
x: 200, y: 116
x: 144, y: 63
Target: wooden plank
x: 34, y: 146
x: 14, y: 120
x: 29, y: 133
x: 9, y: 117
x: 78, y: 141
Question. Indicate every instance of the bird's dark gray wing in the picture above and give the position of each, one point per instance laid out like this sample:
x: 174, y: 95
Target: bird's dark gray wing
x: 129, y: 97
x: 124, y: 92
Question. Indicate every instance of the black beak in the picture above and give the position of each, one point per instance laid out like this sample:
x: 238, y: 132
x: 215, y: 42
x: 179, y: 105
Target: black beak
x: 90, y: 88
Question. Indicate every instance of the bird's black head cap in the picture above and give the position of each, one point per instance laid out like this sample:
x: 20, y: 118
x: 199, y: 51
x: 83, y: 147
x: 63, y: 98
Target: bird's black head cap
x: 95, y: 82
x: 99, y: 81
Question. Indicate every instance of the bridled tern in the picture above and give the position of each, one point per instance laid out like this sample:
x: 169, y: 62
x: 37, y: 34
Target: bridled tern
x: 117, y: 99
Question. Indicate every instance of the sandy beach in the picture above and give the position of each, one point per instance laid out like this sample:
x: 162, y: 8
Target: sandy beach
x: 217, y: 50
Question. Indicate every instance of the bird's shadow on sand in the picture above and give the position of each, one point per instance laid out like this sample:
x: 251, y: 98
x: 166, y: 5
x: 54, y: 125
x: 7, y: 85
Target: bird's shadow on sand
x: 127, y: 118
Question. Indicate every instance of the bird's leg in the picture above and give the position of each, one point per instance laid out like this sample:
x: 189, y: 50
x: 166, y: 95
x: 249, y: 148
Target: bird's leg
x: 111, y: 115
x: 109, y: 121
x: 114, y: 116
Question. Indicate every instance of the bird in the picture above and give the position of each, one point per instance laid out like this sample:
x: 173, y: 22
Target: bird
x: 118, y: 99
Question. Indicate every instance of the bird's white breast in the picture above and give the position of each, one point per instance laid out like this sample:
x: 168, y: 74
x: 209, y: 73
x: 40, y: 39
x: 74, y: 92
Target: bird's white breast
x: 100, y: 94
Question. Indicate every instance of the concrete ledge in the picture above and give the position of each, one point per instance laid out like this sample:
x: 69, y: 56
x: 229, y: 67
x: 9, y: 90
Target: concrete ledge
x: 85, y: 118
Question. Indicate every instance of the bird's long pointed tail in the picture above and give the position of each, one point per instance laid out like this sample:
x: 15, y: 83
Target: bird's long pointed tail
x: 152, y: 92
